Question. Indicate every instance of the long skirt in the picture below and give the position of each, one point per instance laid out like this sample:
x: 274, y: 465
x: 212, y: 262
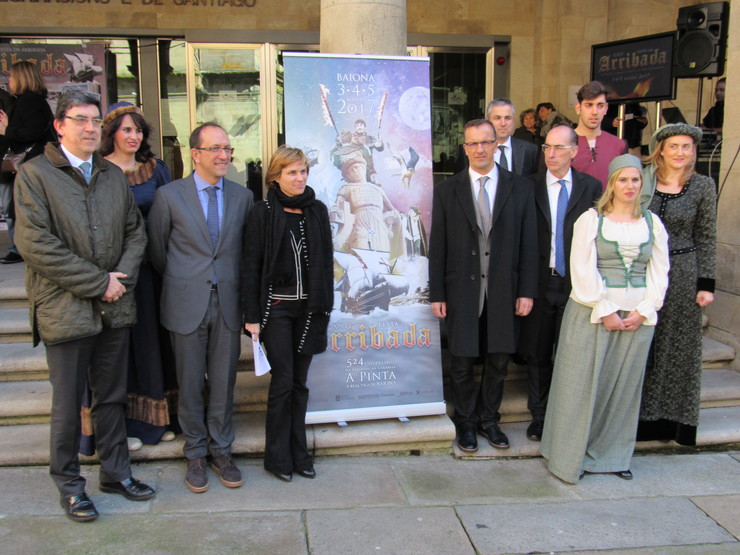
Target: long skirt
x: 594, y: 401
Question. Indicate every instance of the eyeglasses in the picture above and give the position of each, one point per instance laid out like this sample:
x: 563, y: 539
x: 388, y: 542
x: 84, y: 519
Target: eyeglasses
x: 84, y: 120
x: 484, y: 144
x: 216, y: 150
x: 558, y: 148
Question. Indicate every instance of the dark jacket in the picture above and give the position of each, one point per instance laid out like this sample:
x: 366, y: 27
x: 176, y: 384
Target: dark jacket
x: 257, y: 286
x: 455, y: 261
x: 71, y: 236
x: 585, y: 191
x: 29, y: 124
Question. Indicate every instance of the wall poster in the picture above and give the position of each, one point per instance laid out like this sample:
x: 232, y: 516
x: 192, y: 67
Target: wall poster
x: 64, y: 67
x: 365, y: 124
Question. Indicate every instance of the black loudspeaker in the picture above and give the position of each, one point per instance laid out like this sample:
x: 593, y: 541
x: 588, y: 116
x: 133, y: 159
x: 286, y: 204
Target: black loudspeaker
x: 701, y: 40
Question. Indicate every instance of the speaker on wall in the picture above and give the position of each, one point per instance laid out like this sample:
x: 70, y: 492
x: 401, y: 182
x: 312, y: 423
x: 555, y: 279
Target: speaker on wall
x: 701, y: 40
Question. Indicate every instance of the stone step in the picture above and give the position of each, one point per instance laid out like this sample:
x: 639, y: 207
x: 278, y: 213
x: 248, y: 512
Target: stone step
x: 30, y: 402
x: 15, y: 326
x: 21, y: 361
x: 717, y: 426
x: 716, y: 354
x: 27, y: 445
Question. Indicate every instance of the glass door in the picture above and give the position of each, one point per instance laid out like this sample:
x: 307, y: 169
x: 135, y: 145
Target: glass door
x: 233, y: 85
x: 461, y: 84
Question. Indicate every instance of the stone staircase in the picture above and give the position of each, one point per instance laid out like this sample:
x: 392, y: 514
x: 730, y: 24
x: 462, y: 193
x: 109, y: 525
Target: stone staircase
x: 25, y: 400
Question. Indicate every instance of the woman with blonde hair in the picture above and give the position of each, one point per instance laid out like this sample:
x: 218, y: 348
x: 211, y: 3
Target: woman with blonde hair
x: 27, y: 129
x: 288, y: 281
x: 619, y: 270
x: 687, y: 204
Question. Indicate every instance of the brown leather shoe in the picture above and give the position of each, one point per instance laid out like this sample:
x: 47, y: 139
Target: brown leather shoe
x: 227, y: 471
x: 196, y: 477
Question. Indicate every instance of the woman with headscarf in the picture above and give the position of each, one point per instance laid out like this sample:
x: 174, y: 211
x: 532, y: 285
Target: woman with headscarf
x: 288, y: 280
x: 619, y: 270
x: 686, y: 202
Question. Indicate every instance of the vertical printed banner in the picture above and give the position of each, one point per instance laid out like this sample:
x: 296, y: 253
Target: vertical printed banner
x: 365, y: 124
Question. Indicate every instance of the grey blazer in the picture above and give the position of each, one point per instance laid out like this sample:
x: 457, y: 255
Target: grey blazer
x: 180, y: 250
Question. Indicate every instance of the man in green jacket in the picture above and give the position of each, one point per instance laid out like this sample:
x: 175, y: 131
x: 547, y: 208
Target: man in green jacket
x: 83, y: 239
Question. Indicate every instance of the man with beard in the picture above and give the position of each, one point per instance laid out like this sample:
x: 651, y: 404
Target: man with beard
x: 595, y: 149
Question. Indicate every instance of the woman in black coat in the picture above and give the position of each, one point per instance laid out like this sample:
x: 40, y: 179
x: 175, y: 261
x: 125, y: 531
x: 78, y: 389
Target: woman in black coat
x: 26, y: 128
x: 288, y: 279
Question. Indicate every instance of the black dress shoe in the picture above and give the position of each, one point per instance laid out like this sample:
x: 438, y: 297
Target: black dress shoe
x: 307, y: 473
x: 284, y: 476
x: 79, y: 508
x: 466, y: 440
x: 624, y: 474
x: 130, y: 488
x: 496, y: 438
x: 11, y: 258
x: 534, y: 430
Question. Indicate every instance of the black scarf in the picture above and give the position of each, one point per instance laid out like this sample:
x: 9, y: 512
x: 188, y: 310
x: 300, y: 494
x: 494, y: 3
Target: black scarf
x: 317, y: 243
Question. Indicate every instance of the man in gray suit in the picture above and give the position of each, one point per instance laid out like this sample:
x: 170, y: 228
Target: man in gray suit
x: 195, y: 243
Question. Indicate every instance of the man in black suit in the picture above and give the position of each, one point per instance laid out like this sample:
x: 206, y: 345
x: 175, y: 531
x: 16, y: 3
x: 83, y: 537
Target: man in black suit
x: 561, y: 195
x: 482, y: 278
x: 515, y: 155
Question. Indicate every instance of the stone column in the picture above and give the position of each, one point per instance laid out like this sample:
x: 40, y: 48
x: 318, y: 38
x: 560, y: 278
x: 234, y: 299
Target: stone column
x: 363, y: 27
x: 724, y: 313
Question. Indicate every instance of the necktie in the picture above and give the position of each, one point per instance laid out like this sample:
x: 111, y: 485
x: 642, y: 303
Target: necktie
x: 559, y: 229
x: 502, y: 161
x: 212, y: 219
x: 483, y: 205
x: 86, y: 169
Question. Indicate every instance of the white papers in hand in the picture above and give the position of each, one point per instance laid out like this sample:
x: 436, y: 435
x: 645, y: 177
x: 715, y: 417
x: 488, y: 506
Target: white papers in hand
x: 261, y: 364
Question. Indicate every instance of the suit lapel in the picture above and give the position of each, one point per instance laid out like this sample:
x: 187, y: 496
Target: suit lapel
x: 228, y: 200
x: 516, y: 161
x: 503, y: 190
x: 190, y: 197
x: 576, y: 192
x: 542, y: 199
x: 464, y: 195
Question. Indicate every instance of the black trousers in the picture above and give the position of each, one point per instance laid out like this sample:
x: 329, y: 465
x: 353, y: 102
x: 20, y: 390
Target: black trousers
x: 549, y: 312
x: 478, y: 404
x: 101, y: 360
x: 286, y: 449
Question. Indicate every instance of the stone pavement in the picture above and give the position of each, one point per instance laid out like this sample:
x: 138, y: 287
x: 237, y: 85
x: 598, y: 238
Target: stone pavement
x: 433, y: 503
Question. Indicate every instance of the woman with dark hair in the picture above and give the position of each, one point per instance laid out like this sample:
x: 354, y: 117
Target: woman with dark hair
x: 27, y: 129
x: 288, y: 279
x: 152, y: 385
x: 619, y: 270
x: 528, y: 130
x: 687, y: 204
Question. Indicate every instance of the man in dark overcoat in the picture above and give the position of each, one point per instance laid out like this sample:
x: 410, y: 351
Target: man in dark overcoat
x: 482, y: 277
x: 540, y: 330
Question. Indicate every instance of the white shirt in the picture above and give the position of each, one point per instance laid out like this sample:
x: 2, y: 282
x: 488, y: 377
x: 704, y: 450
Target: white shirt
x: 73, y: 160
x: 491, y: 185
x: 553, y: 190
x: 497, y: 156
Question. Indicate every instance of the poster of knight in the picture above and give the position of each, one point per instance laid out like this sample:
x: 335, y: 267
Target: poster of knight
x: 365, y: 125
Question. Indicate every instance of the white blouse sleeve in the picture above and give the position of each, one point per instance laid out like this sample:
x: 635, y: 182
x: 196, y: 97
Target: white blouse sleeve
x: 657, y: 274
x: 588, y: 285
